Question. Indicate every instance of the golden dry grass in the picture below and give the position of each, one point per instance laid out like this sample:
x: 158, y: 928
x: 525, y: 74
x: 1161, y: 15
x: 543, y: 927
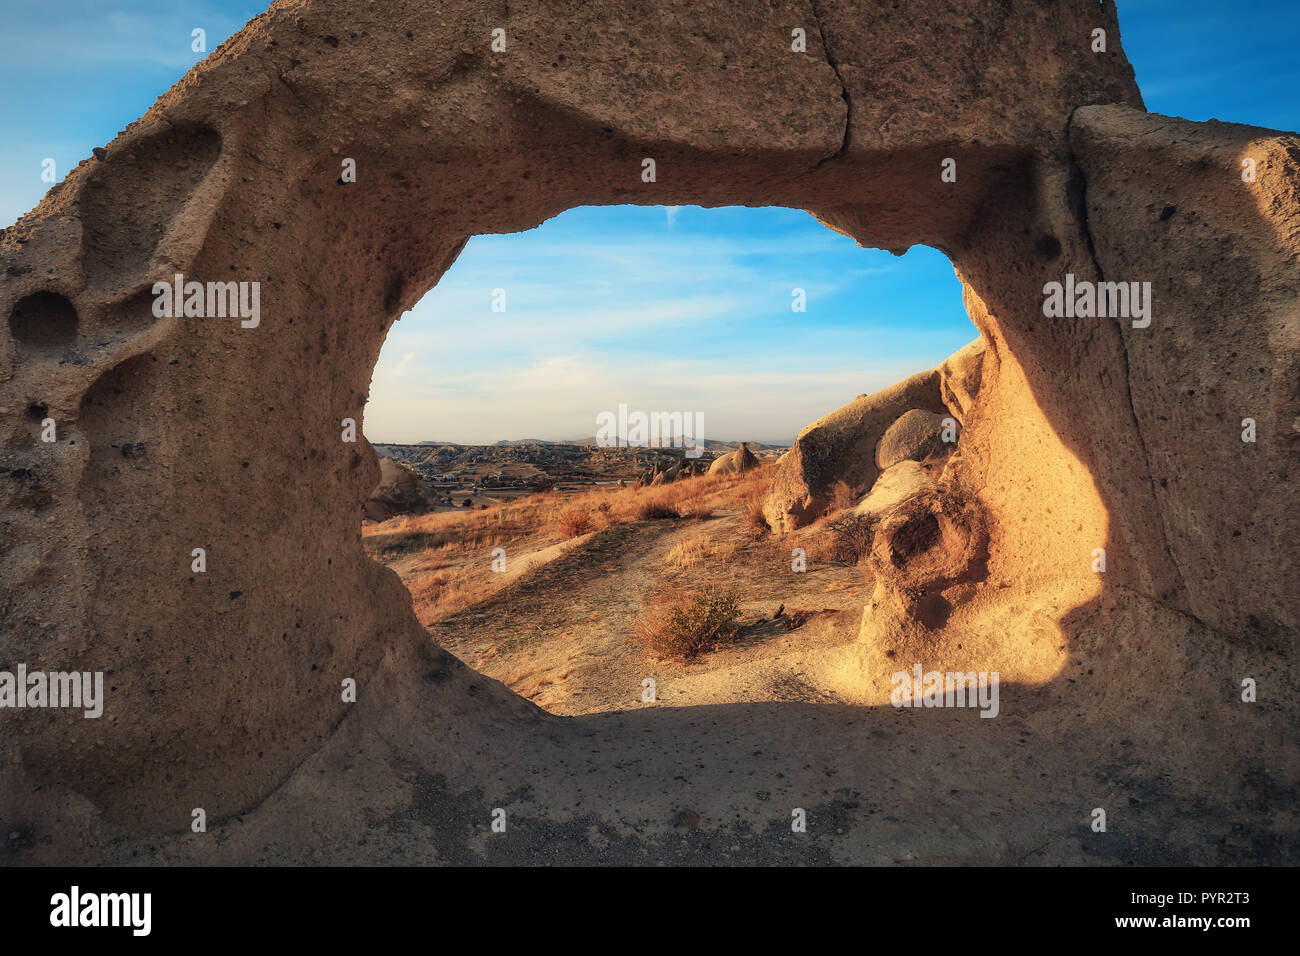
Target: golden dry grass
x: 657, y: 509
x: 572, y: 522
x: 698, y: 549
x: 445, y: 557
x: 755, y: 521
x: 842, y: 497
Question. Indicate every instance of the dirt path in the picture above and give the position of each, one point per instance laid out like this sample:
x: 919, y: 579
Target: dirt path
x: 561, y: 635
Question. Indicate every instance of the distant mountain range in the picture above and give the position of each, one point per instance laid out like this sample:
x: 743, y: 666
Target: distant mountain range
x: 709, y: 443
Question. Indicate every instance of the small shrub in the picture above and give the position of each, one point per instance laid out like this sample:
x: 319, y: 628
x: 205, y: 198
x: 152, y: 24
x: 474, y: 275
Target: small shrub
x: 657, y: 510
x: 842, y: 497
x: 755, y: 521
x: 851, y: 535
x: 683, y: 625
x: 572, y: 523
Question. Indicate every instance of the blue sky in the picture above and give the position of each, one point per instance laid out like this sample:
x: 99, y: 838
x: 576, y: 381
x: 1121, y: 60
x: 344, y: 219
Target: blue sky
x: 680, y: 309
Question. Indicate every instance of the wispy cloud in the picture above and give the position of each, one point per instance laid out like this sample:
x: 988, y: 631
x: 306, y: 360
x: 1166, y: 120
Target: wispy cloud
x: 401, y: 366
x: 603, y: 308
x: 560, y: 398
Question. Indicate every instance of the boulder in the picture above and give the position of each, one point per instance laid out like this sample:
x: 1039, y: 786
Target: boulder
x: 842, y: 446
x: 742, y: 459
x: 894, y: 484
x: 400, y: 491
x: 915, y: 436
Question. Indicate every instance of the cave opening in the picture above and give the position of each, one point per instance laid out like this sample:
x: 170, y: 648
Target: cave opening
x: 579, y: 427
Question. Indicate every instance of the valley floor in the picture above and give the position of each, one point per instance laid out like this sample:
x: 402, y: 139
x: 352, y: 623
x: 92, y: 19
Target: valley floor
x: 558, y: 625
x: 564, y: 635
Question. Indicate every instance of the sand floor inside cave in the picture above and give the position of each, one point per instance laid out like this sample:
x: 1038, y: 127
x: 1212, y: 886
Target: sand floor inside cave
x: 535, y: 710
x: 564, y: 635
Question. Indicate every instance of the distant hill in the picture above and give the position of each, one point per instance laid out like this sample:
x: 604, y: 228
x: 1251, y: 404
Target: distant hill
x: 710, y: 444
x: 752, y: 445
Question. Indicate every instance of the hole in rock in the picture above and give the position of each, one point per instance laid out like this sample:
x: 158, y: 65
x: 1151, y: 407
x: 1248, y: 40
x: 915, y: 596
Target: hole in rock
x: 916, y: 537
x: 44, y: 320
x: 552, y: 537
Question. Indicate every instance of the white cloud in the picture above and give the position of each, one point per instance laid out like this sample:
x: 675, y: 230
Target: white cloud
x: 407, y: 359
x: 559, y: 397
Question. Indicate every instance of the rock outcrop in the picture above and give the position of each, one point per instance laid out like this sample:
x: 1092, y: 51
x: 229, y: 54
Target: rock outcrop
x: 845, y: 446
x: 915, y: 436
x: 400, y: 491
x: 895, y: 484
x: 734, y: 462
x: 959, y: 379
x: 225, y: 431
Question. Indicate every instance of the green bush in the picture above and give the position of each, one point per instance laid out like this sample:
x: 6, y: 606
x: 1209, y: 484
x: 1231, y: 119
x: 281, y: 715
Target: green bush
x: 683, y: 625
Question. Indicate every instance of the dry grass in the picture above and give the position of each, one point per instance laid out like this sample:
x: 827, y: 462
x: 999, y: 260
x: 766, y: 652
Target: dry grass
x: 696, y: 508
x: 698, y: 549
x: 845, y: 538
x: 842, y: 496
x: 445, y: 556
x: 659, y: 510
x: 698, y: 496
x: 754, y: 519
x: 682, y: 625
x: 435, y: 596
x: 573, y: 522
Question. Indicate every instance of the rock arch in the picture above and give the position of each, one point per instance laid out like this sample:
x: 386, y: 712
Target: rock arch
x: 178, y: 433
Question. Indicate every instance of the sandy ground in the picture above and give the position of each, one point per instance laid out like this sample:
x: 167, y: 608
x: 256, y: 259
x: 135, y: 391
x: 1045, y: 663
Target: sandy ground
x: 667, y: 783
x: 740, y: 743
x: 563, y: 637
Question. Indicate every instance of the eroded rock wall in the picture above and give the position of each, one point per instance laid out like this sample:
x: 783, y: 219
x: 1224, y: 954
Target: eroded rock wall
x: 186, y: 432
x: 1208, y: 213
